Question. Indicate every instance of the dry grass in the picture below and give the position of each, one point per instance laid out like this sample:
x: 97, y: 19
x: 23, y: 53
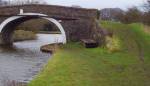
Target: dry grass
x: 113, y: 44
x: 147, y: 29
x: 21, y: 35
x: 7, y: 82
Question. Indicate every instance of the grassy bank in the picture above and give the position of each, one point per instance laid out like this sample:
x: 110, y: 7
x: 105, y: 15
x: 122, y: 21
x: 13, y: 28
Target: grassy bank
x: 73, y: 65
x: 22, y: 35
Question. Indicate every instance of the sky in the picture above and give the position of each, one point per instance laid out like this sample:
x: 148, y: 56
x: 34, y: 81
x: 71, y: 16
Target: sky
x: 98, y: 4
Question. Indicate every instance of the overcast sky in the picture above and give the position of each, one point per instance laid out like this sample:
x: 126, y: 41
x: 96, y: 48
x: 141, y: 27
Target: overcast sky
x: 99, y: 4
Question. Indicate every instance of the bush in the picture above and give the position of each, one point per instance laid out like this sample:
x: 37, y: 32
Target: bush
x: 21, y: 35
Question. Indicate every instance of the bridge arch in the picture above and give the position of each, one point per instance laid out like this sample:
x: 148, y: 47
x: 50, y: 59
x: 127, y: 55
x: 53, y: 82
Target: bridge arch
x: 8, y: 26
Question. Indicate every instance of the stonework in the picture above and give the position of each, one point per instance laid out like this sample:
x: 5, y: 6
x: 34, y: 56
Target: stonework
x: 82, y: 28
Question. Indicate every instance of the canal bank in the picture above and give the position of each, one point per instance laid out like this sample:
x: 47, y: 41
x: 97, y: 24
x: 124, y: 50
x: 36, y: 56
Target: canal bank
x: 74, y: 65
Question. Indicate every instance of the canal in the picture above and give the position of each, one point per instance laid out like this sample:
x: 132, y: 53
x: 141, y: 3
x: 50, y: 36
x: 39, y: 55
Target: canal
x: 23, y: 61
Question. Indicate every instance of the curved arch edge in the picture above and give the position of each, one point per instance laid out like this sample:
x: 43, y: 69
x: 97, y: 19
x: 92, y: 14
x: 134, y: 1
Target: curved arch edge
x: 60, y: 27
x: 5, y: 22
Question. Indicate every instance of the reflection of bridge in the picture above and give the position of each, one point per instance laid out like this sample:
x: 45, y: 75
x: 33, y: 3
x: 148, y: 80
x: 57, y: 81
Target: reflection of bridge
x: 81, y: 22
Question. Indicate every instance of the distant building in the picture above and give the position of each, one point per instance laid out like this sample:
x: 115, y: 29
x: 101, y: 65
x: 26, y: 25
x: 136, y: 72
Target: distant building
x: 110, y: 13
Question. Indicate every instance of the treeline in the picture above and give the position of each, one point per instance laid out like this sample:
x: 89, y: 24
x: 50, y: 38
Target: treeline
x: 132, y: 15
x: 20, y: 2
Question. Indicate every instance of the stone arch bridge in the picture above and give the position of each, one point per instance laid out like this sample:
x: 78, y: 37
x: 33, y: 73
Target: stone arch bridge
x: 77, y: 23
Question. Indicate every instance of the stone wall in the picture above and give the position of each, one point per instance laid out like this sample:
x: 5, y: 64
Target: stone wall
x: 82, y: 28
x: 51, y: 10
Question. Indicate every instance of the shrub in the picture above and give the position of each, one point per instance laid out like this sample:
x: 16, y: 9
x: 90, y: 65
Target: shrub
x: 21, y: 35
x: 113, y: 44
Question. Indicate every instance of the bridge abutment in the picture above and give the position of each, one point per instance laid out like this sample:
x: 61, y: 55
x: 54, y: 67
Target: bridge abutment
x: 9, y: 41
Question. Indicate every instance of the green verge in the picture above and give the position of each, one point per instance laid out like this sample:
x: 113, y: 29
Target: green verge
x: 73, y: 65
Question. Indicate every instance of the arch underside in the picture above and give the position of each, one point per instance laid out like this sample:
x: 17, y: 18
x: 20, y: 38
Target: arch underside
x: 9, y: 25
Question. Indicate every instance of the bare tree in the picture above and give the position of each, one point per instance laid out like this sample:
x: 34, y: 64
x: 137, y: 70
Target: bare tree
x: 3, y: 3
x: 22, y: 2
x: 146, y: 16
x: 133, y: 15
x: 147, y: 6
x: 76, y: 6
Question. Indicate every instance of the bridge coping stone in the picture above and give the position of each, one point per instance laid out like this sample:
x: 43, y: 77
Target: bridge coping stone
x: 50, y: 9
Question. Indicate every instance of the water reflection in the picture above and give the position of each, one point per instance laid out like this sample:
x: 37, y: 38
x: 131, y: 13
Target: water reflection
x: 22, y: 61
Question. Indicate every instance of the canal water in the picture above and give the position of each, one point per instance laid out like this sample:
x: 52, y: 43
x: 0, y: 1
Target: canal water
x: 22, y: 61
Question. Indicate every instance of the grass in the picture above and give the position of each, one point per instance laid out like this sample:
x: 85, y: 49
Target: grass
x: 134, y: 39
x: 74, y: 65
